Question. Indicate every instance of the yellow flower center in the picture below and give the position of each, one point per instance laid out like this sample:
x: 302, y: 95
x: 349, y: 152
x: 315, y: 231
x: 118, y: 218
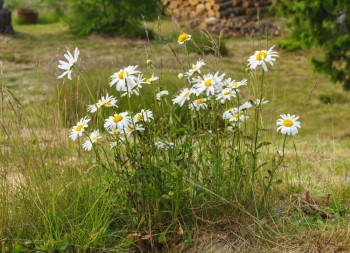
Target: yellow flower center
x: 186, y: 95
x: 94, y: 138
x: 139, y: 117
x: 182, y: 37
x: 117, y: 118
x: 116, y: 132
x: 200, y: 101
x: 234, y: 85
x: 98, y: 105
x: 121, y: 74
x: 226, y: 93
x: 236, y: 116
x: 287, y: 123
x: 194, y: 67
x: 208, y: 82
x: 108, y: 104
x: 131, y: 128
x: 79, y: 127
x: 261, y: 55
x: 148, y: 80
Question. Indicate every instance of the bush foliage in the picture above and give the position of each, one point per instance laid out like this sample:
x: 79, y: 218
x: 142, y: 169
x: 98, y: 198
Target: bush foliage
x: 325, y: 24
x: 122, y: 17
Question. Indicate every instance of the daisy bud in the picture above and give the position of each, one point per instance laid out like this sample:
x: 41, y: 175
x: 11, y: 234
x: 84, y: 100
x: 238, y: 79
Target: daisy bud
x: 180, y: 75
x: 149, y: 63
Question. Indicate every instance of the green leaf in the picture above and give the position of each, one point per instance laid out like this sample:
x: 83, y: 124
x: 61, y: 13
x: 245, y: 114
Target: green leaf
x: 264, y: 143
x: 334, y: 205
x: 162, y: 238
x: 18, y: 248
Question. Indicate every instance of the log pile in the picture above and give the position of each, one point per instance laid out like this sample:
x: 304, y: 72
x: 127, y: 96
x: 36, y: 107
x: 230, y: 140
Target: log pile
x: 239, y: 26
x: 234, y: 17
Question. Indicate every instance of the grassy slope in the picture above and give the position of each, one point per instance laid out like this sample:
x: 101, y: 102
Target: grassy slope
x: 30, y: 59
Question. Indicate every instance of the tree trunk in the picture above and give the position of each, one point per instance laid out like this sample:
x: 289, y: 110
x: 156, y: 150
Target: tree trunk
x: 5, y: 22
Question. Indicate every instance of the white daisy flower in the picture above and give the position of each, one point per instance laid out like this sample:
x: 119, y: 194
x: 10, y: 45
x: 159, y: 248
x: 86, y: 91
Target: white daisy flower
x: 164, y: 145
x: 261, y: 58
x: 162, y: 93
x: 78, y: 129
x: 146, y: 116
x: 261, y: 102
x: 115, y: 132
x: 109, y: 101
x: 228, y: 113
x: 113, y: 144
x: 251, y: 103
x: 288, y: 124
x: 239, y: 117
x: 125, y: 79
x: 133, y: 128
x: 229, y: 128
x: 183, y: 38
x: 209, y: 83
x: 234, y: 115
x: 195, y: 68
x: 93, y: 108
x: 94, y: 136
x: 151, y: 79
x: 68, y: 66
x: 135, y: 87
x: 198, y: 104
x: 225, y: 94
x: 233, y: 84
x: 119, y: 121
x: 182, y: 97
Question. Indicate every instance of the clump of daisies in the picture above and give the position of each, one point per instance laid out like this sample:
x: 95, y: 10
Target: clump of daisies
x: 208, y: 117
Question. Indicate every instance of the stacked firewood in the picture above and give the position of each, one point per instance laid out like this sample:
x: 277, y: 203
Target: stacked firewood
x: 214, y: 8
x: 235, y: 17
x: 239, y: 26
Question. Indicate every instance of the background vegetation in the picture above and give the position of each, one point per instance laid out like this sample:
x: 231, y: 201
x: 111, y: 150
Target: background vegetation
x: 325, y: 24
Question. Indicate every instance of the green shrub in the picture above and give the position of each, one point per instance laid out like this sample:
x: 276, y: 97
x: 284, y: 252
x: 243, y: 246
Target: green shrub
x: 325, y: 24
x: 121, y: 17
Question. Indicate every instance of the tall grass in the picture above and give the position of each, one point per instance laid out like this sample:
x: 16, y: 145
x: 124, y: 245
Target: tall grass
x: 137, y: 195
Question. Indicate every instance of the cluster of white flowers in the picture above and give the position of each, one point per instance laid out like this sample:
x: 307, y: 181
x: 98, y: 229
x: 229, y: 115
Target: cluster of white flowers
x: 128, y: 81
x: 205, y: 88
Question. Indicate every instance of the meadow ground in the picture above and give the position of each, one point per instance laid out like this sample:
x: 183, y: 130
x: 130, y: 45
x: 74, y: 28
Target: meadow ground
x: 37, y: 112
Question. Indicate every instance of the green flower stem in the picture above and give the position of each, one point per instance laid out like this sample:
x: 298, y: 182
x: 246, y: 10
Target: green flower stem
x: 272, y: 173
x: 86, y: 84
x: 257, y: 111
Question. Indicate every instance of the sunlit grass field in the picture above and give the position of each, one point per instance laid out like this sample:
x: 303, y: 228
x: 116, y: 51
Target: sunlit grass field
x: 54, y: 196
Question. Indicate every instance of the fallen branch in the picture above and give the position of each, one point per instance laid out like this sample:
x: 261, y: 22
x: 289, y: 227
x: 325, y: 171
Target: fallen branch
x: 314, y: 207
